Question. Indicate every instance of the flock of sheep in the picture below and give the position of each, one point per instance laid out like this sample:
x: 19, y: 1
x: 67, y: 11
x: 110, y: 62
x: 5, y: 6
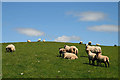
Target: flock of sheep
x: 71, y: 52
x: 93, y: 52
x: 37, y: 41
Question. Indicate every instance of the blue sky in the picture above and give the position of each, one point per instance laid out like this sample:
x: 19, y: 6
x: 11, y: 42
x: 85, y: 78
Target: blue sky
x: 60, y: 21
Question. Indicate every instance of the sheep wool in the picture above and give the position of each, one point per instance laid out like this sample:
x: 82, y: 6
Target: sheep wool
x: 70, y: 56
x: 39, y: 40
x: 43, y: 40
x: 81, y: 42
x: 103, y: 59
x: 28, y: 41
x: 10, y: 48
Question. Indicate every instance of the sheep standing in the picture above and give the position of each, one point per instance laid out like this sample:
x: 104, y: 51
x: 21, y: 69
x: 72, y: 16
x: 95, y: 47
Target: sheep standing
x: 39, y: 40
x: 67, y: 48
x: 10, y: 48
x: 43, y: 40
x: 93, y: 49
x: 28, y: 41
x: 70, y: 56
x: 74, y: 49
x: 81, y: 42
x: 89, y: 43
x: 91, y: 56
x: 102, y: 59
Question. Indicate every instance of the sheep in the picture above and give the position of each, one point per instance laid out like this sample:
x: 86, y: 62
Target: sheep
x: 81, y: 42
x: 62, y: 51
x: 70, y: 56
x: 43, y: 40
x: 10, y: 48
x: 97, y: 44
x: 91, y: 56
x: 93, y: 49
x: 28, y: 41
x: 102, y: 59
x: 89, y: 43
x: 39, y: 40
x: 67, y: 48
x: 74, y: 50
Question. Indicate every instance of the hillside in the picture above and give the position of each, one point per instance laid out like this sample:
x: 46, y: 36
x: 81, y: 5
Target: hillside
x: 39, y: 60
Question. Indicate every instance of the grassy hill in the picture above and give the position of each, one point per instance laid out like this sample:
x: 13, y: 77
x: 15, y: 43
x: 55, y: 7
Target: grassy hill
x: 39, y: 60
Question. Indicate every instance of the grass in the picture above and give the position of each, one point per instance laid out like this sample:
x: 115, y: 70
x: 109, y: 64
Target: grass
x: 39, y: 60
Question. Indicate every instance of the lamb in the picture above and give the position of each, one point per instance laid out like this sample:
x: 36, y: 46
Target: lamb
x: 67, y: 48
x: 10, y: 48
x: 97, y: 44
x: 43, y: 40
x: 102, y: 59
x: 28, y: 41
x: 91, y: 56
x: 81, y: 42
x: 93, y: 49
x: 70, y: 56
x: 62, y: 51
x: 39, y: 40
x: 89, y: 43
x: 74, y: 50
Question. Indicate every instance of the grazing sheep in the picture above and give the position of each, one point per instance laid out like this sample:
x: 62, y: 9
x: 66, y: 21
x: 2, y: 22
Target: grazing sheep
x: 67, y: 48
x: 62, y: 51
x: 81, y: 42
x: 102, y: 59
x: 39, y: 40
x: 70, y: 56
x: 93, y: 49
x: 43, y: 40
x: 89, y: 43
x: 28, y: 41
x: 10, y: 48
x: 91, y: 56
x: 74, y: 50
x: 97, y: 44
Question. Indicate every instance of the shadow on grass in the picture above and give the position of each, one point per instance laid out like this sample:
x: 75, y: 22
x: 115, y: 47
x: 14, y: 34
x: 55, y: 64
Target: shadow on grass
x: 84, y: 56
x: 94, y: 65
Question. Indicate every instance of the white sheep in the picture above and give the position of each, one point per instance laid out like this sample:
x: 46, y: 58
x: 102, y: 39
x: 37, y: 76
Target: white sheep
x: 43, y: 40
x: 10, y: 48
x: 81, y: 42
x: 89, y: 43
x: 74, y: 49
x: 91, y: 56
x: 62, y: 51
x: 104, y: 59
x: 93, y: 49
x: 70, y: 56
x: 39, y: 40
x: 67, y: 48
x: 28, y: 41
x: 97, y: 44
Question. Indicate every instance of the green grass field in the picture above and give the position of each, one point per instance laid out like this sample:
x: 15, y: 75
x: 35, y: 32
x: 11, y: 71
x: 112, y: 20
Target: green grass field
x: 39, y: 60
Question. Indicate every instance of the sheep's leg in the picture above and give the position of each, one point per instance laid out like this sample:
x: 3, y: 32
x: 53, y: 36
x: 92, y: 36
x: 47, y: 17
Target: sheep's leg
x: 89, y: 61
x: 105, y: 64
x: 93, y: 62
x: 97, y: 63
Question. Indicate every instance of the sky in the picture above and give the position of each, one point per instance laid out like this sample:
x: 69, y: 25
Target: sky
x: 61, y: 22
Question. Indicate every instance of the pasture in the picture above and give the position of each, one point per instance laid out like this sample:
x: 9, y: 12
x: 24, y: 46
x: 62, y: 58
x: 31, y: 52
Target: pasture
x: 40, y: 60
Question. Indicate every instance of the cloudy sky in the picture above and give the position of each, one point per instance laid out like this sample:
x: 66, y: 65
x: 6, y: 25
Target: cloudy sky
x: 60, y: 21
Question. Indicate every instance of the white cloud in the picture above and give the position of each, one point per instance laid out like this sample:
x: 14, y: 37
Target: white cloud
x: 101, y: 28
x: 67, y: 38
x: 88, y: 16
x: 30, y: 32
